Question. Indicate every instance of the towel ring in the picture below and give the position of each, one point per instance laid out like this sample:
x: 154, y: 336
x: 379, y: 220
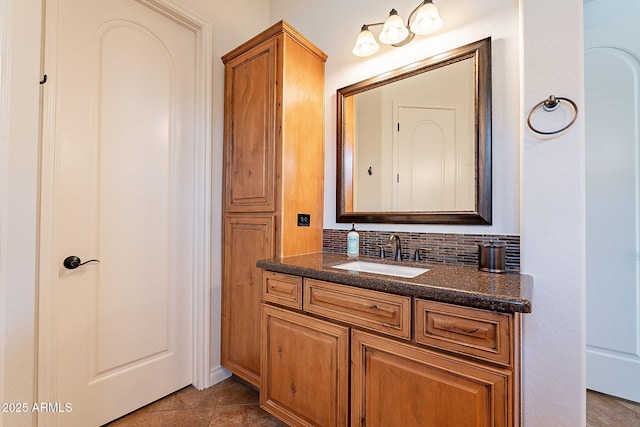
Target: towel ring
x: 551, y: 104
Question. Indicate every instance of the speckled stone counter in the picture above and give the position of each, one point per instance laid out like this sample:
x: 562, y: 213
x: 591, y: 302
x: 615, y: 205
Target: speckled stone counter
x: 467, y: 286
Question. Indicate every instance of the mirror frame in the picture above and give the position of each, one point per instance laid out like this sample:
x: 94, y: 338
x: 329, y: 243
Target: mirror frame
x: 480, y: 51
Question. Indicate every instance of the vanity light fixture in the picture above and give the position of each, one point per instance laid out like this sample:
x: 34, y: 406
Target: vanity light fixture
x: 426, y: 20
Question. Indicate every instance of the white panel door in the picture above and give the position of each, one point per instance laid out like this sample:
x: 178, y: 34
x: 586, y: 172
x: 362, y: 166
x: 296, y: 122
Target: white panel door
x: 612, y: 75
x: 425, y: 172
x: 123, y: 195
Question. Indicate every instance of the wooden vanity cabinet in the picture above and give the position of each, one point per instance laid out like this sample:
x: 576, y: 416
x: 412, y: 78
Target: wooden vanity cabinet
x: 447, y: 365
x: 273, y: 171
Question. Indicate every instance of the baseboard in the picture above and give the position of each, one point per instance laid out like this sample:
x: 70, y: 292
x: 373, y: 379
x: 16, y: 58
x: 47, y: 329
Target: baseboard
x: 218, y: 374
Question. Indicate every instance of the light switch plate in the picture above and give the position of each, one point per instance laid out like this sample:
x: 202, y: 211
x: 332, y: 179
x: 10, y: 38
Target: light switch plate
x: 304, y: 220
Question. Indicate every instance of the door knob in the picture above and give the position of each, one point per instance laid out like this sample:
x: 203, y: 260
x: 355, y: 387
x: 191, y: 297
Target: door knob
x: 72, y: 262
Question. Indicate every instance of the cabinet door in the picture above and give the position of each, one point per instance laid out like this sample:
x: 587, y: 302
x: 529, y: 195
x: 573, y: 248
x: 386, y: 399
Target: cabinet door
x: 395, y: 384
x: 246, y: 239
x: 250, y: 130
x: 305, y: 364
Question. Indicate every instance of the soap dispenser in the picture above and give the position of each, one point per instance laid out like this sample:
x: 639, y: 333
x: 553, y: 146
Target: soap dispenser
x: 353, y: 243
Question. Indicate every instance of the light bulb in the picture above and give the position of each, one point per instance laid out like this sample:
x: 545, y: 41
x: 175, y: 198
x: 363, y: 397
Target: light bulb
x: 427, y: 19
x: 394, y: 31
x: 365, y: 43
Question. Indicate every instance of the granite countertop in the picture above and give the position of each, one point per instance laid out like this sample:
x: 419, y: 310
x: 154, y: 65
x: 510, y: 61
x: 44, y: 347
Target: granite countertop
x: 462, y: 285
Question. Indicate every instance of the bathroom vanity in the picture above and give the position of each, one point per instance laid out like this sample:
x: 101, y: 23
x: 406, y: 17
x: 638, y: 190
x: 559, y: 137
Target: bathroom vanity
x: 343, y: 347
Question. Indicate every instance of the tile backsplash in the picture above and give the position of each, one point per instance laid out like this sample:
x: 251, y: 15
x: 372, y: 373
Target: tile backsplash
x: 445, y: 248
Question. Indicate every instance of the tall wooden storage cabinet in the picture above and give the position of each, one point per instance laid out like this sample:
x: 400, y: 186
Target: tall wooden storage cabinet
x: 273, y: 172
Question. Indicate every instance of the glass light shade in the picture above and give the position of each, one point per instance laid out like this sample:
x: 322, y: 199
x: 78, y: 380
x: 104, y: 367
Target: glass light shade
x: 427, y: 20
x: 365, y: 43
x: 394, y: 30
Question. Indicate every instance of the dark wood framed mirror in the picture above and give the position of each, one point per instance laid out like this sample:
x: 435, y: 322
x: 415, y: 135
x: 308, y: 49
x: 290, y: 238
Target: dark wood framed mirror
x: 414, y: 144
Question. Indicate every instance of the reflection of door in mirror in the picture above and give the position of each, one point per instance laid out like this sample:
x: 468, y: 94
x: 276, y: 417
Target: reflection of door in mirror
x: 425, y: 159
x: 425, y: 166
x: 412, y: 156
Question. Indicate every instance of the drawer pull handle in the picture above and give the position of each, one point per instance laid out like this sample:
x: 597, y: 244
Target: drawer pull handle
x: 345, y: 302
x: 449, y: 326
x: 278, y: 288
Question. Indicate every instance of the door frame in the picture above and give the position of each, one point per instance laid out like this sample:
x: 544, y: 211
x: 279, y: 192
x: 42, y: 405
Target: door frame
x: 202, y: 230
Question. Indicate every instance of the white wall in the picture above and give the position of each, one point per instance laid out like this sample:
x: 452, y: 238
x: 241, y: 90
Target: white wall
x: 367, y: 189
x: 19, y: 115
x: 538, y: 184
x: 553, y: 218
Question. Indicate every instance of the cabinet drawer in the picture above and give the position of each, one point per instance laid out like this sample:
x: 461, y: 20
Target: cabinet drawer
x: 282, y: 289
x: 468, y: 331
x: 379, y: 311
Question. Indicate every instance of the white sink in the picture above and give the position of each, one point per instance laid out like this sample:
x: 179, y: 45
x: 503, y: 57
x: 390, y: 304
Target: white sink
x: 386, y: 269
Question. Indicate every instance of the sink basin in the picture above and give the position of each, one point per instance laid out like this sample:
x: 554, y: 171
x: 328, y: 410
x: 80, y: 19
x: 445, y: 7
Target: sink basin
x: 386, y: 269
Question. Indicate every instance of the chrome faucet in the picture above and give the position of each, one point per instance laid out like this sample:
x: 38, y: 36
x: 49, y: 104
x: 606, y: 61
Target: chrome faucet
x: 398, y: 256
x: 380, y: 249
x: 417, y: 255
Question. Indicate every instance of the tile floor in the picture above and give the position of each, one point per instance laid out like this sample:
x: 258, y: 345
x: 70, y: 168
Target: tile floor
x: 234, y: 403
x: 228, y: 403
x: 609, y: 411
